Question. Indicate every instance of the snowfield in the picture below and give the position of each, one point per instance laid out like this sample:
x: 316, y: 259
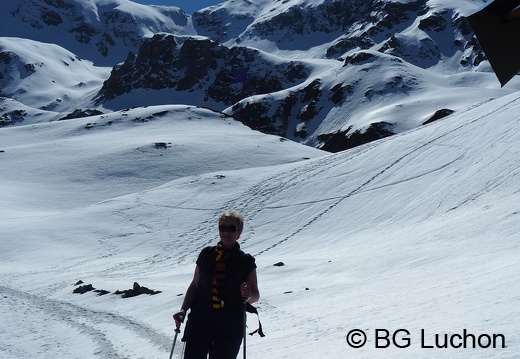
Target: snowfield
x: 415, y: 234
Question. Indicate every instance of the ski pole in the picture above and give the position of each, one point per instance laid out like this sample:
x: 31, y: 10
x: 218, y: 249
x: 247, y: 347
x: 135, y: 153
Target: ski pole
x: 245, y: 319
x: 244, y: 302
x: 177, y: 331
x: 179, y: 319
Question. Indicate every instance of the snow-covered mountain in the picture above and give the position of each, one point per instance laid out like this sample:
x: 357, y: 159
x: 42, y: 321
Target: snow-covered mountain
x: 101, y: 31
x: 329, y: 74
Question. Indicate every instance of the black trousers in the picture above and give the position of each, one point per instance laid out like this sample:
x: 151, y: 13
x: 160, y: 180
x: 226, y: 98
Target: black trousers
x: 217, y: 332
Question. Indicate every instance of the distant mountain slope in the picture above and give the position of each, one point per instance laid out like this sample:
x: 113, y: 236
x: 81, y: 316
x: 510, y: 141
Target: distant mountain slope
x: 46, y: 76
x: 102, y: 31
x: 332, y: 28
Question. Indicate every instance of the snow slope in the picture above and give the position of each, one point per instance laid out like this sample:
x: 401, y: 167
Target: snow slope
x: 418, y: 231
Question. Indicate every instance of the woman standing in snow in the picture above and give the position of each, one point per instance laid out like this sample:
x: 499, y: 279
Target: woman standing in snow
x: 224, y: 278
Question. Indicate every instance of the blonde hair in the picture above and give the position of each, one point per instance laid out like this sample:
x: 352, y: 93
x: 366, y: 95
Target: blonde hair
x: 234, y: 215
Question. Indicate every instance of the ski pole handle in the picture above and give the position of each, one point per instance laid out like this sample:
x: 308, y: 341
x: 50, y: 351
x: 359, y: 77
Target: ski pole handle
x: 179, y: 318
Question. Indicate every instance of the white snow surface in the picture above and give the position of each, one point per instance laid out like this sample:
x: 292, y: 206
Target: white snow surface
x: 416, y: 232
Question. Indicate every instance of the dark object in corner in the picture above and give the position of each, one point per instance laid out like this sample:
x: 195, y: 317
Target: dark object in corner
x: 497, y: 27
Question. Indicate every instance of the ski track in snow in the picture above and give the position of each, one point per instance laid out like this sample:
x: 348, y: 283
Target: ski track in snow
x: 282, y: 181
x: 103, y: 329
x: 361, y: 188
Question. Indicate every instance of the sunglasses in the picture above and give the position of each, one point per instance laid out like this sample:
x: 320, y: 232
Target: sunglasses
x: 230, y: 229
